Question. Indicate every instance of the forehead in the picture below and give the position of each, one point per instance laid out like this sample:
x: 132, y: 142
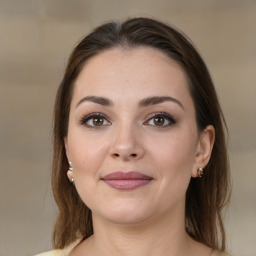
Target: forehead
x: 128, y: 73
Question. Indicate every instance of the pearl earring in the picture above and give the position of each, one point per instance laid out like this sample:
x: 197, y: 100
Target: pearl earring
x: 70, y: 169
x: 200, y: 172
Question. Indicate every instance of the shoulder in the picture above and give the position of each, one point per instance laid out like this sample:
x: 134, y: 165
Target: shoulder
x: 52, y: 253
x: 219, y: 253
x: 61, y: 252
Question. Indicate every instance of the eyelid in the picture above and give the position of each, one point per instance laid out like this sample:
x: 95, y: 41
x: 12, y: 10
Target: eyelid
x: 86, y: 118
x: 164, y: 115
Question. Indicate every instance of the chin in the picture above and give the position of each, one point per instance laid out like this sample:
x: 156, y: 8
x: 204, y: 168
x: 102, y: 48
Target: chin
x: 126, y: 213
x: 127, y: 218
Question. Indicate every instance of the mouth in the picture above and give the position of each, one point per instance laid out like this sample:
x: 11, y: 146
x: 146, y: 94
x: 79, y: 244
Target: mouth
x: 126, y: 180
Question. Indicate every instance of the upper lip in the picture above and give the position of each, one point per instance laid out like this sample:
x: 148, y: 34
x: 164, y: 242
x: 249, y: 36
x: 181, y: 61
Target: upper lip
x: 126, y: 176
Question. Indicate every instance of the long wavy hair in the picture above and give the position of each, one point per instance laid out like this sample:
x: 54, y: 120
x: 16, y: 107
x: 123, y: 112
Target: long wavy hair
x: 205, y: 197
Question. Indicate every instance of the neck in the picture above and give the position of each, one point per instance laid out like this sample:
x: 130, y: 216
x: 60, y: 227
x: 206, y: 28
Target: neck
x: 164, y: 236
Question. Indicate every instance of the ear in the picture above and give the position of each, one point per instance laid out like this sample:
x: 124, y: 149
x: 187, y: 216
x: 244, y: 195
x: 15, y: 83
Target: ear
x: 66, y: 146
x: 69, y: 172
x: 204, y: 149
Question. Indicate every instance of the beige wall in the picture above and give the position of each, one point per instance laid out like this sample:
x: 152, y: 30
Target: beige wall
x: 36, y: 37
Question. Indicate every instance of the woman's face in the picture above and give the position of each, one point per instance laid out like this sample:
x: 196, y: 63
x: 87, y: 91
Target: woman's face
x: 132, y: 138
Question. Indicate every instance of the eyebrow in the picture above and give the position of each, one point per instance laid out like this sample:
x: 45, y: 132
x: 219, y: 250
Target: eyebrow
x: 154, y: 100
x: 157, y: 100
x: 96, y: 99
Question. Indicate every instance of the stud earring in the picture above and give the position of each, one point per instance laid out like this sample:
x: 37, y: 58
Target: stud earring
x: 200, y: 172
x: 70, y: 168
x: 69, y: 173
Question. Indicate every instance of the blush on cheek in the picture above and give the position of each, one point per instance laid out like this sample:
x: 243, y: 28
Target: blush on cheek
x: 177, y: 158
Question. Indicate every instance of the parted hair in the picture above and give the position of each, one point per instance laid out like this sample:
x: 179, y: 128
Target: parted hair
x: 206, y: 197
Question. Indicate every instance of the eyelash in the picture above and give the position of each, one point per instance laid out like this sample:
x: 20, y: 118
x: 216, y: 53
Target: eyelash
x: 84, y: 120
x: 163, y: 115
x: 166, y: 117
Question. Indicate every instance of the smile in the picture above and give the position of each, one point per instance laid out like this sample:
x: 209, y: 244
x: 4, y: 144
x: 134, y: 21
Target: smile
x: 126, y: 180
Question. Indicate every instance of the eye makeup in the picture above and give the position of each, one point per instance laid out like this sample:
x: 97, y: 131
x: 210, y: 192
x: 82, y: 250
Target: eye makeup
x: 97, y: 120
x: 160, y: 120
x: 94, y: 120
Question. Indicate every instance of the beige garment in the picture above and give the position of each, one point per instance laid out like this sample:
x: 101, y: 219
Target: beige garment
x: 219, y: 253
x: 66, y: 251
x: 61, y: 252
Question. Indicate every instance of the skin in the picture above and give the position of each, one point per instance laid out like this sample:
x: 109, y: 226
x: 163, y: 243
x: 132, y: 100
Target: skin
x: 148, y: 220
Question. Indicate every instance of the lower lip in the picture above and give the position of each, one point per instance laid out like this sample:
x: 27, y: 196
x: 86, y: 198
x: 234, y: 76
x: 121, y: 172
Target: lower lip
x: 127, y: 184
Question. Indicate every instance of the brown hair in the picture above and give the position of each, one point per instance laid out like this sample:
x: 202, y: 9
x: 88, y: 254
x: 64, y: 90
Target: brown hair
x: 206, y: 197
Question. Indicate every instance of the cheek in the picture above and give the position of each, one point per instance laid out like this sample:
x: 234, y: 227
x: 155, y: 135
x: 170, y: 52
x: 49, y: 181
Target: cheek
x: 86, y: 153
x: 174, y: 159
x: 175, y: 154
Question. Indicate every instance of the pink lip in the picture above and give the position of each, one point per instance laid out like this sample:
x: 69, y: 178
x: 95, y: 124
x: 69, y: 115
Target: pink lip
x: 126, y: 180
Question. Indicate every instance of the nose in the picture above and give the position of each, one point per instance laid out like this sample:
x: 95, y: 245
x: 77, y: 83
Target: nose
x: 127, y: 144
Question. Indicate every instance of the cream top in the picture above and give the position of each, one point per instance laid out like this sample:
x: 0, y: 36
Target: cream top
x: 66, y: 251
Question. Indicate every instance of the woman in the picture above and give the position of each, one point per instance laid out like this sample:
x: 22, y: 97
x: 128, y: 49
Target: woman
x: 140, y: 135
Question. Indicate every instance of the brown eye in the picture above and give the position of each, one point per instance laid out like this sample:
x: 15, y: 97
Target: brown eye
x: 98, y: 121
x: 159, y: 121
x: 95, y: 120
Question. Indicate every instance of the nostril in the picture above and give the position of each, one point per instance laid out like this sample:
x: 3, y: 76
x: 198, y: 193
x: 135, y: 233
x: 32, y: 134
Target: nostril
x: 116, y: 155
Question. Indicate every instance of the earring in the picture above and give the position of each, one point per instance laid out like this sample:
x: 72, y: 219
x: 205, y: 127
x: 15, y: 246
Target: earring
x: 69, y: 173
x: 200, y: 172
x: 70, y: 168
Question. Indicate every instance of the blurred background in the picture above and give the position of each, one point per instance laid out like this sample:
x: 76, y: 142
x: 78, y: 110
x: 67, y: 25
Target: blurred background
x: 36, y: 38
